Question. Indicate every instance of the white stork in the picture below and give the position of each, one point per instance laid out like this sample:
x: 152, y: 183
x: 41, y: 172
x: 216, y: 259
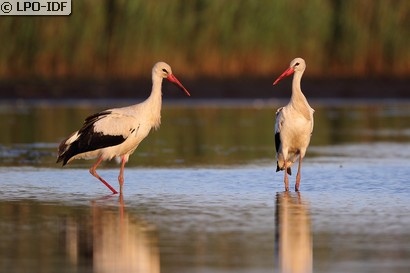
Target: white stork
x: 117, y: 132
x: 294, y: 125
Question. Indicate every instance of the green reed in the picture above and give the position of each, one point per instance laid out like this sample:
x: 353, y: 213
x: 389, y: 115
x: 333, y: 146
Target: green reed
x: 218, y: 38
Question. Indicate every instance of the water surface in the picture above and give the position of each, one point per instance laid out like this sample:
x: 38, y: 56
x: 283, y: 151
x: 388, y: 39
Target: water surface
x: 202, y: 195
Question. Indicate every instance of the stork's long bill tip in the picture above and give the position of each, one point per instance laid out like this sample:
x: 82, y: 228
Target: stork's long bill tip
x: 285, y: 74
x: 173, y: 79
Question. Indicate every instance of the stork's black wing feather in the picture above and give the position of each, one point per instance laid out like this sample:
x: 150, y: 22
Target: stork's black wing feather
x: 277, y: 129
x: 277, y: 141
x: 89, y: 139
x: 89, y: 121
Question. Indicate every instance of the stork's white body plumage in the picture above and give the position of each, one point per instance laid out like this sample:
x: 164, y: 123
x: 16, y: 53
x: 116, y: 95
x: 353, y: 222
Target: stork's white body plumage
x: 130, y: 123
x: 117, y: 132
x: 294, y: 125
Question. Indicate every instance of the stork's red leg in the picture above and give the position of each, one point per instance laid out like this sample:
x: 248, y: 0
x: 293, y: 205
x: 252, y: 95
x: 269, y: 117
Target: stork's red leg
x: 95, y: 174
x: 298, y: 175
x: 121, y: 176
x: 286, y: 180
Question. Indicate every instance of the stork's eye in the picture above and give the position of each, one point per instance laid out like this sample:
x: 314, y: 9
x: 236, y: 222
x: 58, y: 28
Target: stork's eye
x: 164, y: 70
x: 296, y: 64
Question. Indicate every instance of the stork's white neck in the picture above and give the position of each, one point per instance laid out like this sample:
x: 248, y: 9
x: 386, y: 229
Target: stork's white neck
x: 156, y: 87
x: 298, y: 99
x: 154, y: 101
x: 297, y: 94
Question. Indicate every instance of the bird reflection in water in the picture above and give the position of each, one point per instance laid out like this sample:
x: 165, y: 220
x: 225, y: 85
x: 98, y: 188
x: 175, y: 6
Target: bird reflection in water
x: 293, y: 238
x: 116, y: 242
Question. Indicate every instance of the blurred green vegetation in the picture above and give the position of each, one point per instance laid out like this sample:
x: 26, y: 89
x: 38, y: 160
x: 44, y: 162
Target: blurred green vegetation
x: 217, y: 38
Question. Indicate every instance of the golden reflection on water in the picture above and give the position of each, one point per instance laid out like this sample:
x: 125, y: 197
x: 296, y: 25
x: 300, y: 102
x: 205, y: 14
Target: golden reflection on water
x: 293, y: 234
x: 102, y: 237
x: 119, y: 242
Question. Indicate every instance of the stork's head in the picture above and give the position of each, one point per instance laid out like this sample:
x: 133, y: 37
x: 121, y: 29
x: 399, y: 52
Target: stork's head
x: 296, y: 65
x: 163, y: 70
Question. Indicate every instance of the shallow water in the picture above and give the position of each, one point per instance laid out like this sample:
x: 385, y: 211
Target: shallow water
x: 207, y: 199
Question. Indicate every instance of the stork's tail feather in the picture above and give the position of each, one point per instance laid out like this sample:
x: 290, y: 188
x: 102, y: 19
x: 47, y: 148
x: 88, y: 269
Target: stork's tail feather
x: 63, y: 157
x: 64, y: 149
x: 288, y: 170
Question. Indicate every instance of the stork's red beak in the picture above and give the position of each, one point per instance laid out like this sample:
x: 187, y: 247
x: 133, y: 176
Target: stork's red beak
x: 173, y: 79
x: 287, y: 72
